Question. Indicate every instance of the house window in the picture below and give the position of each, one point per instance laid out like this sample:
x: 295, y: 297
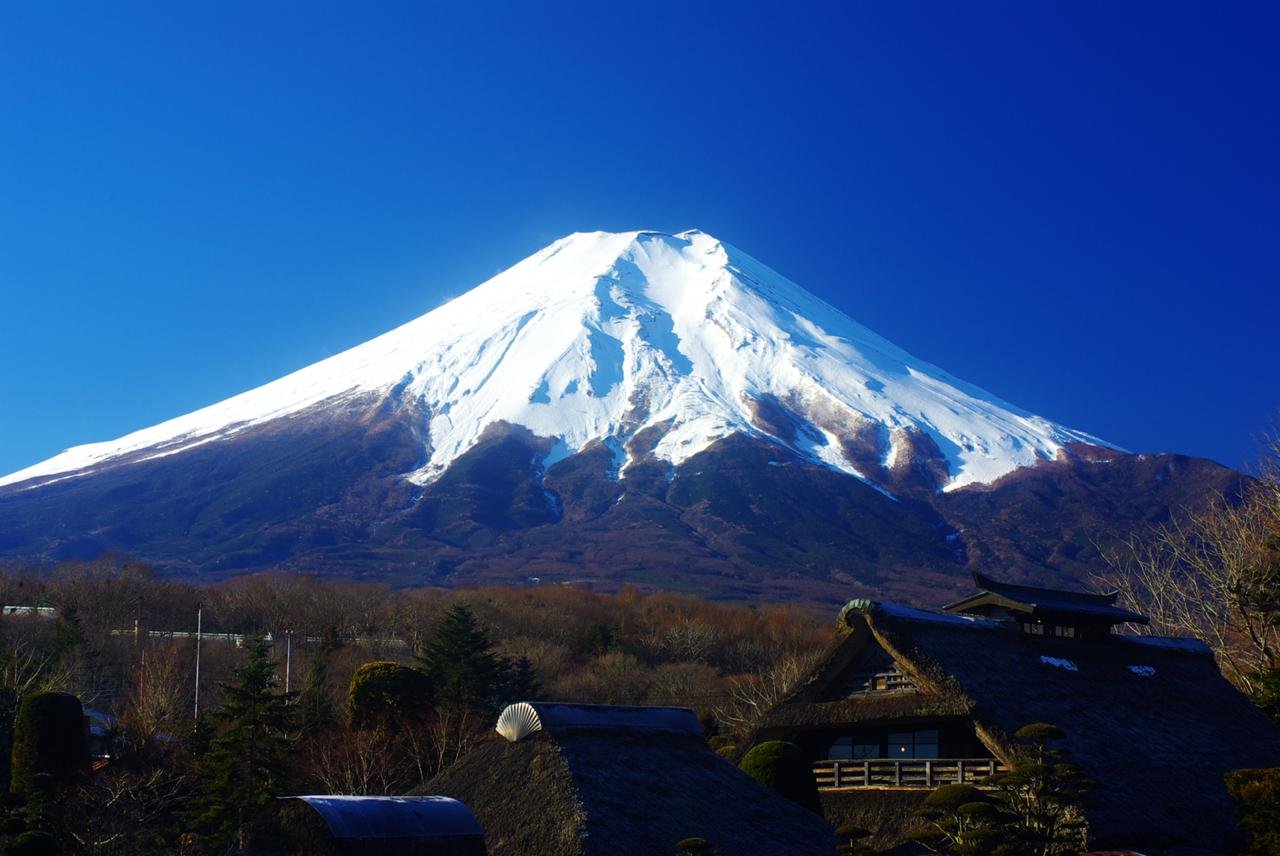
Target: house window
x: 847, y: 748
x: 1065, y: 631
x: 914, y: 744
x: 1035, y: 628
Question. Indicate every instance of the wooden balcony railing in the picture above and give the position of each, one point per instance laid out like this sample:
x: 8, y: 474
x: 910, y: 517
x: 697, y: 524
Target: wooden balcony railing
x: 896, y: 773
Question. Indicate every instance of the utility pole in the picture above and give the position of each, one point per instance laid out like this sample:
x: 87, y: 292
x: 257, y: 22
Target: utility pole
x: 288, y: 659
x: 199, y: 628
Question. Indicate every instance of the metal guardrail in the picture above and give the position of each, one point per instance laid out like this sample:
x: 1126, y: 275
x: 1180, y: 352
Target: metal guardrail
x: 904, y: 773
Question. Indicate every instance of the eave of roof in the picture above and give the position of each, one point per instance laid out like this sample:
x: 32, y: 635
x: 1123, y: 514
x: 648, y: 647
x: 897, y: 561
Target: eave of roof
x: 1042, y: 601
x: 1046, y: 606
x: 1032, y: 593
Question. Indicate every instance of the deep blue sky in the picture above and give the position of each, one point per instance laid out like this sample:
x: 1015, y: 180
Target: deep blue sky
x: 1074, y: 205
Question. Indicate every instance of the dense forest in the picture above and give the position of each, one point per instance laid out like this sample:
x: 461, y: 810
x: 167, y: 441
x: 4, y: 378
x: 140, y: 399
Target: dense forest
x: 361, y: 688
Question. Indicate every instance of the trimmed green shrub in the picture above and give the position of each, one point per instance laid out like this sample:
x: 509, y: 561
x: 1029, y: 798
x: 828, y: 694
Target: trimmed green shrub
x: 37, y: 843
x: 386, y: 693
x: 1257, y: 796
x: 961, y: 819
x: 852, y: 840
x: 693, y: 847
x: 1039, y: 733
x: 720, y: 741
x: 952, y: 797
x: 784, y: 768
x: 49, y: 737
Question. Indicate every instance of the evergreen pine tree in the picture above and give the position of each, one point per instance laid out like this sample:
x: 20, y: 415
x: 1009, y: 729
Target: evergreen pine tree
x: 196, y: 742
x: 460, y: 661
x: 315, y: 708
x: 1044, y: 792
x: 1267, y: 694
x: 68, y: 635
x: 247, y: 763
x: 521, y: 682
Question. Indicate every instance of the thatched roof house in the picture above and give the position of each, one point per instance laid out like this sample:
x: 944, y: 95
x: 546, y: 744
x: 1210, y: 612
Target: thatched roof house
x: 907, y: 699
x: 341, y: 825
x: 566, y: 780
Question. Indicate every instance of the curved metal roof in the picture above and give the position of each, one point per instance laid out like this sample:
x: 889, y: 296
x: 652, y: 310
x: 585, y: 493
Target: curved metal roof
x: 393, y: 817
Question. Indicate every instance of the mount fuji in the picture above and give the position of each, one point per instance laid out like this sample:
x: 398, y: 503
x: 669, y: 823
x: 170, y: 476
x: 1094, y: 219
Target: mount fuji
x: 643, y: 407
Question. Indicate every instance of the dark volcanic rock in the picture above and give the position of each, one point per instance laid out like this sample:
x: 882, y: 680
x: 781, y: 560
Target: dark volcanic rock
x: 746, y: 518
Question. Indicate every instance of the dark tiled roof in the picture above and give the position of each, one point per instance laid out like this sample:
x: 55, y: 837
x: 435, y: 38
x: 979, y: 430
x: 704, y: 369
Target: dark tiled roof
x: 1039, y: 601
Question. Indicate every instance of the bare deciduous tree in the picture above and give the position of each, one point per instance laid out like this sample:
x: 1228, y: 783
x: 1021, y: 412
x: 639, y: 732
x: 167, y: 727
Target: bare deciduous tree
x: 157, y: 694
x: 123, y: 810
x: 752, y: 696
x: 27, y: 666
x: 360, y: 762
x: 452, y: 732
x: 1213, y: 574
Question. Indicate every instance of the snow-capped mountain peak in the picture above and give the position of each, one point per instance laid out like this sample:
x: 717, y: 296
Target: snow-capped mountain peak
x: 600, y: 336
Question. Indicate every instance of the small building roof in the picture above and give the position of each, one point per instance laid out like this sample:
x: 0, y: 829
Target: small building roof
x: 342, y: 825
x: 1038, y: 602
x: 393, y: 817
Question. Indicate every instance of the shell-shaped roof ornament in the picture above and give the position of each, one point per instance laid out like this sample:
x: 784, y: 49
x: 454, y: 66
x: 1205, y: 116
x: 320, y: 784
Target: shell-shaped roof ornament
x: 518, y: 721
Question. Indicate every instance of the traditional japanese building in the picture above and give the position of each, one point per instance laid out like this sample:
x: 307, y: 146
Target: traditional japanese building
x: 906, y: 700
x: 582, y: 780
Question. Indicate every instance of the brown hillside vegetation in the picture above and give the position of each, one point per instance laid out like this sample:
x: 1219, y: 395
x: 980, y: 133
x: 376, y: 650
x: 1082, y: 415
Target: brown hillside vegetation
x: 123, y: 640
x: 624, y: 648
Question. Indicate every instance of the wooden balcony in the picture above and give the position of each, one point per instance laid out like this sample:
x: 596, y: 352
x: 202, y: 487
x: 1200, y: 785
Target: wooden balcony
x: 903, y: 773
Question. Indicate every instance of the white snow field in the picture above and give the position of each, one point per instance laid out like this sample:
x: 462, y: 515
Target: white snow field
x: 600, y: 335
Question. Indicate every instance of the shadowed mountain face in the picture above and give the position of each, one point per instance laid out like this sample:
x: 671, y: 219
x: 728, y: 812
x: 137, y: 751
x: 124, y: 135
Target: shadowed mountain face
x: 322, y: 492
x: 632, y: 407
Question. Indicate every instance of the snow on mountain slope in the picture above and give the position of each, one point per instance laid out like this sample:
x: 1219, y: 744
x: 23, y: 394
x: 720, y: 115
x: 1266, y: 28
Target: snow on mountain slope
x: 601, y: 335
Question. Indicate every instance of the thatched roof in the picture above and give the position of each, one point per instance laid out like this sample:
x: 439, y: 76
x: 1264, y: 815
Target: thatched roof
x: 1151, y: 720
x: 601, y: 790
x: 822, y: 701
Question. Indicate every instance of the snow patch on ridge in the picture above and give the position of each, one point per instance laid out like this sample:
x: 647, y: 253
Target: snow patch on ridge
x: 602, y: 335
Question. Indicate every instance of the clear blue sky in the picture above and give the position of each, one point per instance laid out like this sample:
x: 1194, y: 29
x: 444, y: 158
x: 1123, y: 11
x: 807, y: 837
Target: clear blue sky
x: 1074, y: 205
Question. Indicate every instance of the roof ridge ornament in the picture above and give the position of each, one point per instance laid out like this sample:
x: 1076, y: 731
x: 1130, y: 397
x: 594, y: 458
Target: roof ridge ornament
x: 858, y: 604
x: 518, y: 721
x: 523, y: 718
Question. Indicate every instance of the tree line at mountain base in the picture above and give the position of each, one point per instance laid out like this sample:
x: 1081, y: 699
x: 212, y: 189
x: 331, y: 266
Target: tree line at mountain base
x: 335, y: 687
